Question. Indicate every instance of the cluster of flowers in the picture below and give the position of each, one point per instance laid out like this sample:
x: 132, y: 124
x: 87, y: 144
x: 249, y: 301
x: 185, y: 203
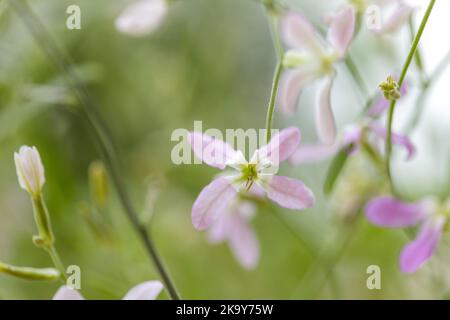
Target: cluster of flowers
x: 223, y: 206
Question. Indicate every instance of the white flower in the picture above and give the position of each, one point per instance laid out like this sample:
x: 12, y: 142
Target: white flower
x: 142, y: 17
x: 30, y: 170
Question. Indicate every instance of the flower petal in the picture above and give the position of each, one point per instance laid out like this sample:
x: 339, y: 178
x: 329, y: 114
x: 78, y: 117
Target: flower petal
x: 67, y: 293
x: 145, y: 291
x: 290, y: 193
x: 326, y: 127
x: 210, y: 150
x: 417, y: 252
x: 342, y: 28
x: 313, y: 153
x: 282, y: 145
x: 142, y: 17
x: 396, y: 19
x: 212, y: 202
x: 390, y: 212
x: 298, y: 32
x: 397, y: 138
x: 243, y: 243
x: 291, y: 85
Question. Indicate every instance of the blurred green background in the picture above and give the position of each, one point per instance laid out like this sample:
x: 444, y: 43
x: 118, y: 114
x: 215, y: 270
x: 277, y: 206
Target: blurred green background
x: 211, y: 60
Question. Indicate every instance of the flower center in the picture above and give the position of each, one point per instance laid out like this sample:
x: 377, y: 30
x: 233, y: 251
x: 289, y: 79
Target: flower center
x: 327, y: 62
x: 249, y: 174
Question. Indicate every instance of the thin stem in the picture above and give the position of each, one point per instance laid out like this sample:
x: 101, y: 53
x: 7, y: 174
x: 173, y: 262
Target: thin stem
x: 99, y: 130
x: 271, y: 106
x: 357, y: 77
x: 57, y: 261
x: 418, y: 55
x: 400, y: 83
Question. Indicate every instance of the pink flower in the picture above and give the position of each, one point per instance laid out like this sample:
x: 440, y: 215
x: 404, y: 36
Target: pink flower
x: 352, y: 139
x: 234, y: 227
x: 393, y: 14
x: 142, y: 17
x: 313, y: 58
x: 430, y: 214
x: 145, y: 291
x: 258, y: 175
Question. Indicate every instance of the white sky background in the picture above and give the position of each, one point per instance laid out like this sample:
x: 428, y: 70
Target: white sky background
x: 429, y: 172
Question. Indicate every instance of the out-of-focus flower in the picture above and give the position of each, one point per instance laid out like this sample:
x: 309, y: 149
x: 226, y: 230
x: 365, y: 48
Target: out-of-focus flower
x: 234, y: 228
x: 383, y: 16
x: 142, y: 17
x: 313, y: 58
x: 365, y: 135
x: 30, y: 170
x: 431, y: 214
x: 258, y: 174
x: 145, y: 291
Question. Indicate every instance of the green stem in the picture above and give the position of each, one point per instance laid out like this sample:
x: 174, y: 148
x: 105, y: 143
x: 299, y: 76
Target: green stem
x: 357, y: 77
x: 99, y: 129
x: 57, y: 261
x: 271, y: 106
x: 400, y: 83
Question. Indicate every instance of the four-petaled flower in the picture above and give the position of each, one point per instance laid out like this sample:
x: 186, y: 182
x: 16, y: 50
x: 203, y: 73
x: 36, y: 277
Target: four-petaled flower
x: 432, y: 214
x: 148, y: 290
x: 258, y: 174
x: 312, y: 58
x: 142, y: 17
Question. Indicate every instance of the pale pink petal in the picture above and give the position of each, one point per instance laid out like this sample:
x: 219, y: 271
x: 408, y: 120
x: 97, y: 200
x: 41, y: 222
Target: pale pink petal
x: 145, y: 291
x: 142, y: 17
x: 396, y: 19
x: 212, y: 202
x: 390, y: 212
x: 291, y: 85
x: 352, y: 138
x: 210, y: 150
x: 342, y: 28
x: 326, y: 127
x: 290, y: 193
x: 313, y: 153
x: 222, y: 228
x: 417, y: 252
x: 397, y: 138
x: 244, y: 243
x: 67, y: 293
x: 282, y: 145
x: 298, y: 32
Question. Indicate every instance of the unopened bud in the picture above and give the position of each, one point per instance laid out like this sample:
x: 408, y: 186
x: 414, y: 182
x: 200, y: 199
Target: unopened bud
x: 390, y: 89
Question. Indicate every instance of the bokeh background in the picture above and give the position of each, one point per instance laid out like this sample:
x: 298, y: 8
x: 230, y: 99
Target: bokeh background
x: 211, y: 60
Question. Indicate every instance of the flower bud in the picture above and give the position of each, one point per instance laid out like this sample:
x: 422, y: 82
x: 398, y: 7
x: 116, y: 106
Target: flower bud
x: 30, y: 170
x: 98, y: 183
x: 30, y: 273
x: 293, y: 59
x: 390, y: 89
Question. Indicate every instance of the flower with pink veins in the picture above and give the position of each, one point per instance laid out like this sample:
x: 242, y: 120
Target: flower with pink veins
x: 142, y: 17
x: 312, y: 58
x: 234, y: 228
x: 431, y: 214
x: 389, y: 17
x: 145, y: 291
x: 257, y: 175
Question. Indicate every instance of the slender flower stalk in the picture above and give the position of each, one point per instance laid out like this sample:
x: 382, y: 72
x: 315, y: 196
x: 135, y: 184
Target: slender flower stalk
x: 99, y: 129
x: 400, y: 82
x: 30, y: 172
x: 272, y: 17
